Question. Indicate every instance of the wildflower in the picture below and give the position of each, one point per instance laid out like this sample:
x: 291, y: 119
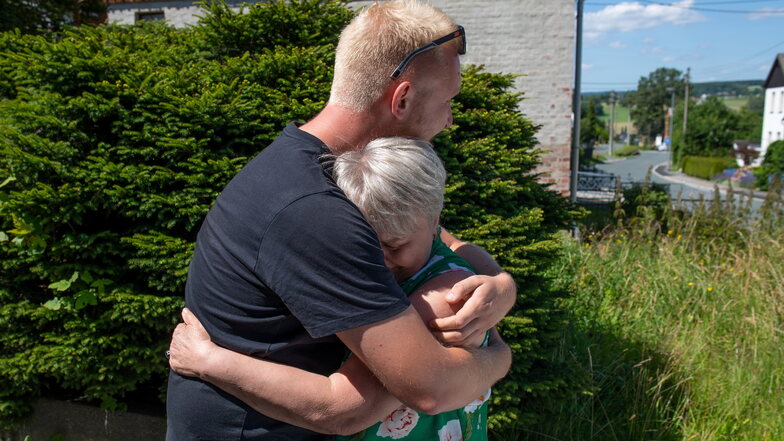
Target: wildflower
x: 690, y: 284
x: 679, y: 236
x: 669, y: 232
x: 710, y: 288
x: 702, y: 262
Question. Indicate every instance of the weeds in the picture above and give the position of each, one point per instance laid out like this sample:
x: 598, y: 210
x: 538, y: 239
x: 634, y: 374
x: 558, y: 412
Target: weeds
x: 676, y: 323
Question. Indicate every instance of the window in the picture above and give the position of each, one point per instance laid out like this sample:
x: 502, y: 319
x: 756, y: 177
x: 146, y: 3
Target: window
x: 772, y: 100
x: 150, y: 15
x: 781, y: 102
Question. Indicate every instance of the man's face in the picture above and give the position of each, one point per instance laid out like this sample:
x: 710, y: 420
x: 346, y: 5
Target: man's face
x: 433, y: 106
x: 405, y: 256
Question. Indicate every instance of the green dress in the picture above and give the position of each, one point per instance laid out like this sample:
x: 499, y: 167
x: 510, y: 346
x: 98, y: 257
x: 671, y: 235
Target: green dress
x: 466, y: 423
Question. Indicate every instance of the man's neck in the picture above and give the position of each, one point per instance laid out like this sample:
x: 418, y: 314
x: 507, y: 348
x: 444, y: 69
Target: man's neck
x: 343, y: 130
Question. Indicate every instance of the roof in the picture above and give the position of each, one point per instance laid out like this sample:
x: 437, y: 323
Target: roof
x: 776, y: 74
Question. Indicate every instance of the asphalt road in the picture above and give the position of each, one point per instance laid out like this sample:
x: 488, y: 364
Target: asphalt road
x: 636, y: 167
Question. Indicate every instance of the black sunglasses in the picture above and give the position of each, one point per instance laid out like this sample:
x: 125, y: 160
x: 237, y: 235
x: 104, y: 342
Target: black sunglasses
x: 460, y: 32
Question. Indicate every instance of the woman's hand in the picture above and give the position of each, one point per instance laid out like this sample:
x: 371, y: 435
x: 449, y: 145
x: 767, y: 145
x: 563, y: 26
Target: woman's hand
x: 191, y: 346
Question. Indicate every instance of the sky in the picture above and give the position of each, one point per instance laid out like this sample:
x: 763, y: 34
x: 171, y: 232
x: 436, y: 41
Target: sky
x: 720, y: 40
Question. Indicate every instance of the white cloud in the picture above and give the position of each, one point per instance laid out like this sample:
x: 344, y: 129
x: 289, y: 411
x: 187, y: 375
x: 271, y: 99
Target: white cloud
x: 631, y: 16
x: 668, y: 59
x: 649, y: 40
x: 586, y: 66
x: 766, y: 13
x: 764, y: 68
x: 592, y: 35
x: 618, y: 45
x: 653, y: 50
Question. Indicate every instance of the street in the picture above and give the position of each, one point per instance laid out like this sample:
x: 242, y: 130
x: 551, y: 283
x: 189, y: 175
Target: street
x: 634, y: 168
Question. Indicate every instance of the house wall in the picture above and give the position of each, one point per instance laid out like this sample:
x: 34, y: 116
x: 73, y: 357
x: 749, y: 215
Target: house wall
x: 536, y: 39
x: 533, y: 38
x: 772, y: 119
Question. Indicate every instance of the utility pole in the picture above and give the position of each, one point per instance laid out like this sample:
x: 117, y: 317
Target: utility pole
x: 686, y: 103
x: 578, y: 59
x: 668, y: 123
x: 612, y: 119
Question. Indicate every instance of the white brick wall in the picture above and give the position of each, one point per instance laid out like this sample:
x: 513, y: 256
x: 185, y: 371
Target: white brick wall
x: 535, y: 38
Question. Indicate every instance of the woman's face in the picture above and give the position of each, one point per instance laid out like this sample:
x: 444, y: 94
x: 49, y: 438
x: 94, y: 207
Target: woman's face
x: 405, y: 256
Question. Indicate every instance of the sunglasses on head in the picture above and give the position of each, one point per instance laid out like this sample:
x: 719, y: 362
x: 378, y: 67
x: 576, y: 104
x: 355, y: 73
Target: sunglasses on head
x: 460, y: 32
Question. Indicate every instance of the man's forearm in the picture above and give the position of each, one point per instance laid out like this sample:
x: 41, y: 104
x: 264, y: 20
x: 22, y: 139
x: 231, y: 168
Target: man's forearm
x: 422, y: 373
x: 343, y: 403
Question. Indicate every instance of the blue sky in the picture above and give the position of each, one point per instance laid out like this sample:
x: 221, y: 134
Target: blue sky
x: 626, y: 40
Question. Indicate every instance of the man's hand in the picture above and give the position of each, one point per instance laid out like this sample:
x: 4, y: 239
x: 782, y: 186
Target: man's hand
x: 487, y: 300
x: 190, y: 347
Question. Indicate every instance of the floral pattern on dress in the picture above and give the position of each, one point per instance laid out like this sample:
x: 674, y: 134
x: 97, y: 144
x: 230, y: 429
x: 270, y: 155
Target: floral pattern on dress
x: 451, y: 431
x: 398, y: 424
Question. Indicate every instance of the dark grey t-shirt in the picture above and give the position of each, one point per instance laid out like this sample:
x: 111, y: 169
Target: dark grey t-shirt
x: 283, y: 261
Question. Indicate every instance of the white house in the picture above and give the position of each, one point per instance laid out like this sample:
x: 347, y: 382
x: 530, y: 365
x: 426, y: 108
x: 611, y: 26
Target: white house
x: 530, y: 37
x: 773, y: 118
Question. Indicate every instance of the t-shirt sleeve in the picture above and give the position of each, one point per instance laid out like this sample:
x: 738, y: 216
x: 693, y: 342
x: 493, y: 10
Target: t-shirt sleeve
x: 324, y: 261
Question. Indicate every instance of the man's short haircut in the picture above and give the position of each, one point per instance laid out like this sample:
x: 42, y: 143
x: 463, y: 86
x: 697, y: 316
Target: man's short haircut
x: 395, y: 182
x: 375, y: 42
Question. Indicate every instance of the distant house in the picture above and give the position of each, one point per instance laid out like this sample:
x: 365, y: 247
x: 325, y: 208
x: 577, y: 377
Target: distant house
x: 773, y: 118
x: 746, y: 152
x: 530, y: 37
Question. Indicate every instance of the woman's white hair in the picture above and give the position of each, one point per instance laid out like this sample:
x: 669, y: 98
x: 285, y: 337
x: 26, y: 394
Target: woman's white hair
x: 395, y: 182
x: 375, y: 42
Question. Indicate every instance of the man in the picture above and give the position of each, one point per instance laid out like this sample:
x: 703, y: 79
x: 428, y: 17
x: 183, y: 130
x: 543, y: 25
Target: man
x: 286, y: 268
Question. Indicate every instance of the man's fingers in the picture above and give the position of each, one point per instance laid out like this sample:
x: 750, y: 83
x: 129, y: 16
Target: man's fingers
x: 463, y: 289
x: 453, y: 338
x: 450, y: 323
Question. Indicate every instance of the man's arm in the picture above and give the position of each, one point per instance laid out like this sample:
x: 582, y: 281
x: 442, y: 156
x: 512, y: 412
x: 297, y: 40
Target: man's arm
x: 343, y: 403
x: 414, y: 367
x: 488, y: 296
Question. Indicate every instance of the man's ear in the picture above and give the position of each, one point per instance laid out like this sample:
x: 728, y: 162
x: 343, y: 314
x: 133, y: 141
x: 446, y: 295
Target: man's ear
x: 401, y: 100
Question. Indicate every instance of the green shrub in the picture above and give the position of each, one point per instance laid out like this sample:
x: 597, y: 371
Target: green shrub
x: 712, y: 127
x: 771, y: 165
x: 706, y: 167
x: 116, y: 140
x: 627, y: 150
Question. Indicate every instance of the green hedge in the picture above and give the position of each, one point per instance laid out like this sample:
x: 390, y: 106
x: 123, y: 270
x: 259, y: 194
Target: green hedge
x: 706, y: 167
x: 114, y: 142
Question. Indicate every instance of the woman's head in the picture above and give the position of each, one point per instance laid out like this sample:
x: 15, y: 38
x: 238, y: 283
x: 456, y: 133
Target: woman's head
x: 398, y: 185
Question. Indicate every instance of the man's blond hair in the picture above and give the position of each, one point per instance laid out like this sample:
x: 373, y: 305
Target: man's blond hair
x: 375, y: 42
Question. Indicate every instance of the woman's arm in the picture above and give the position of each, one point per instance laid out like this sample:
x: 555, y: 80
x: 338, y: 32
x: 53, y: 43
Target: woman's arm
x: 343, y: 403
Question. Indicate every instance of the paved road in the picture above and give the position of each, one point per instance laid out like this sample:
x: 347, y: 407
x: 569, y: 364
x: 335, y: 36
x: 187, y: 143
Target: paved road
x: 635, y: 168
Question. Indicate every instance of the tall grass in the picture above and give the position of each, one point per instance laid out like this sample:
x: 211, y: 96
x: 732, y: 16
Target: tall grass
x: 676, y: 326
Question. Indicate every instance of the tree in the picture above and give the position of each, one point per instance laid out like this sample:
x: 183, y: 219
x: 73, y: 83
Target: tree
x: 652, y: 99
x: 591, y: 129
x: 712, y: 127
x: 33, y: 16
